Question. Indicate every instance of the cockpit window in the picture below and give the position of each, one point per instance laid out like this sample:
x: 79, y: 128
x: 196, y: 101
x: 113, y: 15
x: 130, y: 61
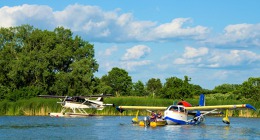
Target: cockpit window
x: 174, y: 108
x: 177, y: 108
x: 182, y: 109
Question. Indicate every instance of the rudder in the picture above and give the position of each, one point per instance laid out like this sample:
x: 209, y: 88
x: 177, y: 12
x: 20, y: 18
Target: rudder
x: 202, y: 100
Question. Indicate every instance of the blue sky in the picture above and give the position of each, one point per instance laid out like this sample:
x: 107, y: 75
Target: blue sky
x: 213, y: 42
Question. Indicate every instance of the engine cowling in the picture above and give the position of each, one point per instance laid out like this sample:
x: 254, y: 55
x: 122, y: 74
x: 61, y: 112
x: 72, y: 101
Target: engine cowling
x: 184, y: 103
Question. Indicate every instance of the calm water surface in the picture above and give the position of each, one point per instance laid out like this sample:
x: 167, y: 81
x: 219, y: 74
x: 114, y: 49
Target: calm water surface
x: 120, y: 127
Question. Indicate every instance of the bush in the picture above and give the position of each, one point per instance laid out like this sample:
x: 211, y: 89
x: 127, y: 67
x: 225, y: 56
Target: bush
x: 24, y: 93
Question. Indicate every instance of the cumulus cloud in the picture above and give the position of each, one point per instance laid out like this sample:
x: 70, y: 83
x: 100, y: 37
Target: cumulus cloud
x: 238, y: 58
x: 109, y: 51
x: 192, y: 55
x: 98, y: 25
x: 190, y: 52
x: 238, y: 35
x: 187, y: 61
x: 26, y: 14
x: 176, y: 29
x: 131, y: 65
x: 202, y: 57
x: 136, y: 52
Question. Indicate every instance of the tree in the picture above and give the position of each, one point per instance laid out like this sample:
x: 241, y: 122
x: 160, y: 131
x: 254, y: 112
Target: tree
x: 251, y: 88
x: 154, y: 86
x: 225, y: 88
x: 119, y: 81
x: 171, y: 88
x: 53, y: 61
x: 197, y: 90
x: 99, y: 86
x: 138, y: 89
x: 177, y: 88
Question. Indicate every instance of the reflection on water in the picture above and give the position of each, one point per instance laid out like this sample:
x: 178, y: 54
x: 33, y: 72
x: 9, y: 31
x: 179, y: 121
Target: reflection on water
x: 33, y: 126
x: 118, y: 127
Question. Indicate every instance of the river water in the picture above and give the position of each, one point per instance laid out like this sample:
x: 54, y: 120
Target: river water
x: 120, y: 127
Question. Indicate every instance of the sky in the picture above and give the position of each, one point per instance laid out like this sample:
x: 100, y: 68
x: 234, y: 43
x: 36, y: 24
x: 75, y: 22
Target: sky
x: 213, y: 42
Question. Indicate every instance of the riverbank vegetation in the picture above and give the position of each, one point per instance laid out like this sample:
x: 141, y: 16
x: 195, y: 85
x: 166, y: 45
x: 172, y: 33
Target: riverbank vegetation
x: 41, y: 107
x: 35, y: 62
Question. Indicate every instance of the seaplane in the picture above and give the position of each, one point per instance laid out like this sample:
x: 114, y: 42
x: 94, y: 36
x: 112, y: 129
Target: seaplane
x: 74, y: 106
x: 177, y: 114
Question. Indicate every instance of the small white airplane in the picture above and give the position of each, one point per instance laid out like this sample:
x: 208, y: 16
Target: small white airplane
x: 178, y: 114
x: 78, y: 104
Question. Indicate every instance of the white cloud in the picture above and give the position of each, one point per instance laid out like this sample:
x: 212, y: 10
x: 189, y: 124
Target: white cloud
x: 193, y: 52
x: 183, y: 61
x: 192, y: 55
x: 136, y: 52
x: 24, y: 14
x: 233, y: 58
x: 94, y: 24
x: 202, y: 57
x: 175, y: 29
x: 238, y: 35
x: 162, y: 66
x: 109, y: 51
x: 131, y: 65
x: 131, y: 59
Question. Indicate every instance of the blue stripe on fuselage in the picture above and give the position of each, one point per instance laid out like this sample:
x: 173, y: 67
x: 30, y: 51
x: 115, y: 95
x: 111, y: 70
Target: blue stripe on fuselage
x: 175, y: 120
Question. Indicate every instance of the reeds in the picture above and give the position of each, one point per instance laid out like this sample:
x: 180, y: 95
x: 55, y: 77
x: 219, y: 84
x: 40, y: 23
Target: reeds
x: 39, y: 106
x: 30, y: 107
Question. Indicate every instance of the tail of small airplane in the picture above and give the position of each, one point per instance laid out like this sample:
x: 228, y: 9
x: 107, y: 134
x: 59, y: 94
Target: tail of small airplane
x: 201, y: 103
x: 100, y: 99
x: 202, y: 100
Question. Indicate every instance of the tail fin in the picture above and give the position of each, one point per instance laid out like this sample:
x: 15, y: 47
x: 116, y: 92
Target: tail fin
x: 202, y: 100
x: 201, y: 103
x: 100, y: 99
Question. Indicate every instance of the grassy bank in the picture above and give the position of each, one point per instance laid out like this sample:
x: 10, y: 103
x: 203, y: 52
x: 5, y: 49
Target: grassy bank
x: 31, y: 107
x: 40, y: 106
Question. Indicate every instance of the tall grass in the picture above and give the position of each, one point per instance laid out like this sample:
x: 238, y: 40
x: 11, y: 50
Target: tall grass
x: 33, y: 106
x: 40, y: 106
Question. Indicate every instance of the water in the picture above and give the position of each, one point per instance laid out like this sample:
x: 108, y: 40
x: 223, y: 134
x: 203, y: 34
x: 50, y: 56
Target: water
x: 120, y: 127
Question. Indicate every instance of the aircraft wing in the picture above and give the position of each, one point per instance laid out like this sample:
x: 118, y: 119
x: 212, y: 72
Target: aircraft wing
x: 141, y: 107
x: 81, y: 97
x: 221, y: 107
x: 52, y: 96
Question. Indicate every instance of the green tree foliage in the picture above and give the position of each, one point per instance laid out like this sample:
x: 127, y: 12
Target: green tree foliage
x: 138, y: 89
x: 225, y: 88
x: 119, y: 80
x: 176, y: 88
x: 53, y: 61
x: 154, y: 86
x: 100, y: 86
x: 251, y: 88
x: 171, y: 88
x: 35, y: 61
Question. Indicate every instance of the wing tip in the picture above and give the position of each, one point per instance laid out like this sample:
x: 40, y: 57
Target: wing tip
x: 250, y: 107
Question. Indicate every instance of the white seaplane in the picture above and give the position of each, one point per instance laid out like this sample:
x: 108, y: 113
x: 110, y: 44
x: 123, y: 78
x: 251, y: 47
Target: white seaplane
x: 75, y: 106
x: 178, y: 114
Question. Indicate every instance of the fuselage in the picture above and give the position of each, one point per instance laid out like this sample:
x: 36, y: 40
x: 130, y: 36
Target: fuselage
x: 176, y: 115
x: 78, y: 105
